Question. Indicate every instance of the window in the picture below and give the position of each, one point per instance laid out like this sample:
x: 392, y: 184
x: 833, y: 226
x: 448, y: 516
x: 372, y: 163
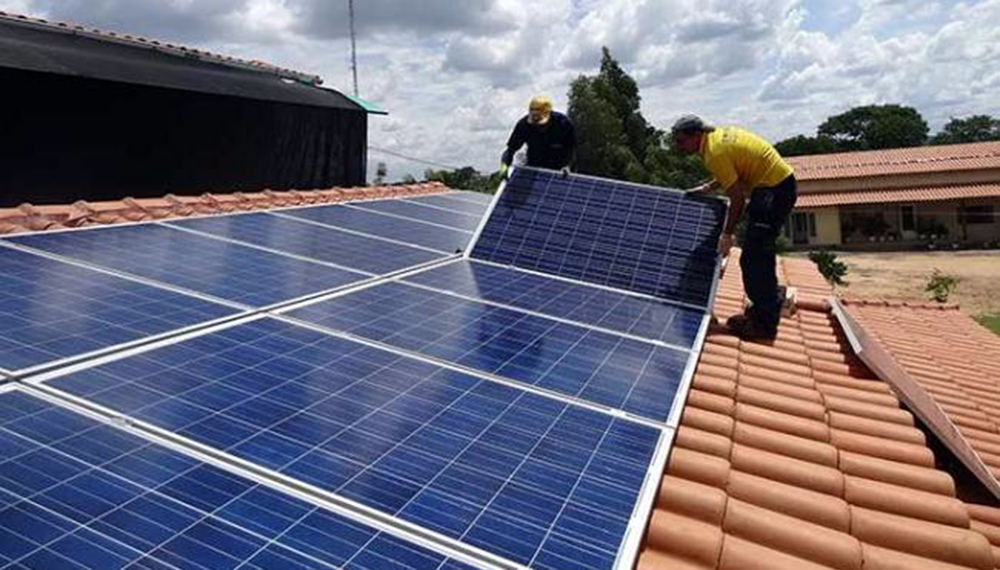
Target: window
x: 812, y: 224
x: 974, y: 215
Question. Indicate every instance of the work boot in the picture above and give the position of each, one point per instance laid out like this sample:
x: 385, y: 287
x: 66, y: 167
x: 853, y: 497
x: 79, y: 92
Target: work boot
x: 749, y: 329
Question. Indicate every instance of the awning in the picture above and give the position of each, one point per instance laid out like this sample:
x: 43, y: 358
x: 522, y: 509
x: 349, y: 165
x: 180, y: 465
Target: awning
x: 49, y: 48
x: 897, y: 195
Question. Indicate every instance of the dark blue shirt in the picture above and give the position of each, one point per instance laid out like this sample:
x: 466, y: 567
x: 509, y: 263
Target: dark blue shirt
x: 549, y: 146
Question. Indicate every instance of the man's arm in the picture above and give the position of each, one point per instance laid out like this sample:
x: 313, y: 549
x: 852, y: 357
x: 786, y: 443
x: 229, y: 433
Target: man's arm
x: 706, y: 188
x: 737, y: 200
x: 514, y: 143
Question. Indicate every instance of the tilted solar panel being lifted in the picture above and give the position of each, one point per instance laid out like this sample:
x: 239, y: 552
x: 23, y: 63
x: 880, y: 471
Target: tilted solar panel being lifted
x: 644, y: 239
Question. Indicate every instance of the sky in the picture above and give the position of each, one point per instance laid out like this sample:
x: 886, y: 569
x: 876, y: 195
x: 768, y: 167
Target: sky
x: 455, y: 75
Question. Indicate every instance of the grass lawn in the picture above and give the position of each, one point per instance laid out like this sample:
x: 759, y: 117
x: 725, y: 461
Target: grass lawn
x: 991, y: 322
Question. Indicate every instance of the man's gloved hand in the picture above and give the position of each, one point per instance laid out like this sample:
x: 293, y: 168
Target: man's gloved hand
x: 565, y: 172
x: 504, y: 169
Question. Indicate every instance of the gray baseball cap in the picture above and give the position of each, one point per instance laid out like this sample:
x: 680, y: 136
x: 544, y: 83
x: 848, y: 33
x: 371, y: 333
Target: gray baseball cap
x: 689, y: 123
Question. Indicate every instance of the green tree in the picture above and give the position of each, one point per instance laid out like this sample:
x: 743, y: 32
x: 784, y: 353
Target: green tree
x: 467, y: 178
x: 615, y: 140
x: 977, y: 128
x: 875, y: 127
x: 802, y: 145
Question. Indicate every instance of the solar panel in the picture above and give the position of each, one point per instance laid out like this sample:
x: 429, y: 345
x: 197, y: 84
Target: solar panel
x: 449, y: 202
x: 475, y: 197
x: 349, y: 250
x: 606, y: 369
x: 51, y: 310
x: 210, y: 266
x: 535, y: 480
x: 399, y: 229
x: 77, y: 493
x: 421, y: 212
x: 614, y: 310
x: 638, y: 238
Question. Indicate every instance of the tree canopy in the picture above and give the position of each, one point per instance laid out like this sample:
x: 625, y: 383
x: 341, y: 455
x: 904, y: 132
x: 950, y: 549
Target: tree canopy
x: 977, y: 128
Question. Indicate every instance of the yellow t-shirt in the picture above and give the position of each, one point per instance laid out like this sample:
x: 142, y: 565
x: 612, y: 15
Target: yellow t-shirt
x: 732, y: 154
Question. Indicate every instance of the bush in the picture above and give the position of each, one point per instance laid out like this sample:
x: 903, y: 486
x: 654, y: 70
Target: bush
x: 941, y: 285
x: 834, y: 271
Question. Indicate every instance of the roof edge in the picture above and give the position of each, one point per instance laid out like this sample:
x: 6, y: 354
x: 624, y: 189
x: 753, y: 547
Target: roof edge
x: 912, y: 395
x: 140, y: 42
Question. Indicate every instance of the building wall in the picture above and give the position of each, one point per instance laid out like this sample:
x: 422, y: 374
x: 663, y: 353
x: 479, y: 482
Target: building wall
x: 827, y: 225
x: 83, y: 139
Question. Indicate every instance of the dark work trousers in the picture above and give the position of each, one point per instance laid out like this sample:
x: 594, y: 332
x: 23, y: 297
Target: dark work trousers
x: 766, y: 214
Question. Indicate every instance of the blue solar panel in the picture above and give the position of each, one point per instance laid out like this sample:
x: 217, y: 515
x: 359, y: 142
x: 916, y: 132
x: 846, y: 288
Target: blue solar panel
x: 224, y: 270
x: 371, y: 223
x: 476, y: 197
x: 75, y: 493
x: 51, y: 310
x: 615, y: 371
x: 617, y: 311
x: 308, y: 240
x: 414, y: 211
x: 526, y: 477
x: 627, y: 236
x: 459, y: 205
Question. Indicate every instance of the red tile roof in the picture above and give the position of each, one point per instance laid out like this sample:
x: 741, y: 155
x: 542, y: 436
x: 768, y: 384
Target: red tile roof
x: 27, y: 217
x: 974, y: 156
x: 928, y: 194
x: 952, y: 359
x: 795, y: 455
x: 165, y: 47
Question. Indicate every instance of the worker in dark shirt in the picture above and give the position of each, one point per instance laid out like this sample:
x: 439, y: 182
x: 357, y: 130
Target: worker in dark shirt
x: 550, y: 137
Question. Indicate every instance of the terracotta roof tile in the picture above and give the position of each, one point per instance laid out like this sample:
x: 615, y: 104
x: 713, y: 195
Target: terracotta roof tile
x: 897, y: 161
x: 950, y: 357
x: 28, y: 217
x: 896, y: 195
x: 796, y: 455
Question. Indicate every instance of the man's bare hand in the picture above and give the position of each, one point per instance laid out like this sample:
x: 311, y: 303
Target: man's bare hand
x: 725, y: 244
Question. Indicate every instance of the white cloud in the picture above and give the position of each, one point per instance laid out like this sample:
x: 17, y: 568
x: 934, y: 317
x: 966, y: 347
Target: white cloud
x: 455, y: 76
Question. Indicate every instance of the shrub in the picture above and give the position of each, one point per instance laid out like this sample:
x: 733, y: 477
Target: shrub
x: 834, y: 271
x: 941, y: 285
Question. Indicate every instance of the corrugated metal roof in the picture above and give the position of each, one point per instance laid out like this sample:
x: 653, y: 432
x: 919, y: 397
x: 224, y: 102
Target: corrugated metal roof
x: 897, y: 195
x: 973, y: 156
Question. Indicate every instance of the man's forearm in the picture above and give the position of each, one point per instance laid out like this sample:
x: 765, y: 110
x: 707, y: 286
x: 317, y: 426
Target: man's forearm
x: 706, y: 188
x: 737, y: 199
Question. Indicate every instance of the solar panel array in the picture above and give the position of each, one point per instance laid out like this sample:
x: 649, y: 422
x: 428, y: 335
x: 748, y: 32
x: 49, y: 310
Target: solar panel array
x: 333, y: 387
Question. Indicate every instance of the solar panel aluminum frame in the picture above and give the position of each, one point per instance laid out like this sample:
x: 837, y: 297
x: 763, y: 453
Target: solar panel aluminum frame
x: 275, y: 481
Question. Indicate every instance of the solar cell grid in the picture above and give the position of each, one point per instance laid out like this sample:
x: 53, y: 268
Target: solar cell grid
x: 213, y: 267
x: 425, y: 213
x: 76, y: 493
x: 475, y: 208
x: 51, y: 310
x: 632, y: 237
x: 348, y: 250
x: 617, y: 311
x: 400, y: 229
x: 519, y: 475
x: 598, y: 367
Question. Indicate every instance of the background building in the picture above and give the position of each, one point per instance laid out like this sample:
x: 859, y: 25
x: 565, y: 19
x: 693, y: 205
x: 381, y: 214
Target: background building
x: 94, y: 115
x: 901, y: 198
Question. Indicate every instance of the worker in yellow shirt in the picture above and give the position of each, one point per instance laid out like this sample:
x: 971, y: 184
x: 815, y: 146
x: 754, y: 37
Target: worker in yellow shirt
x: 745, y: 166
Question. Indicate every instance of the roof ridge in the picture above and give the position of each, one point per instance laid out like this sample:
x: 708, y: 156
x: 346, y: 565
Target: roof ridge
x: 177, y: 50
x: 894, y: 302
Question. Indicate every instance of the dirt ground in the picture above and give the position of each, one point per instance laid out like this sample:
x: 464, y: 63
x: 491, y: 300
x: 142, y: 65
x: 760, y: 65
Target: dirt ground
x: 905, y: 275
